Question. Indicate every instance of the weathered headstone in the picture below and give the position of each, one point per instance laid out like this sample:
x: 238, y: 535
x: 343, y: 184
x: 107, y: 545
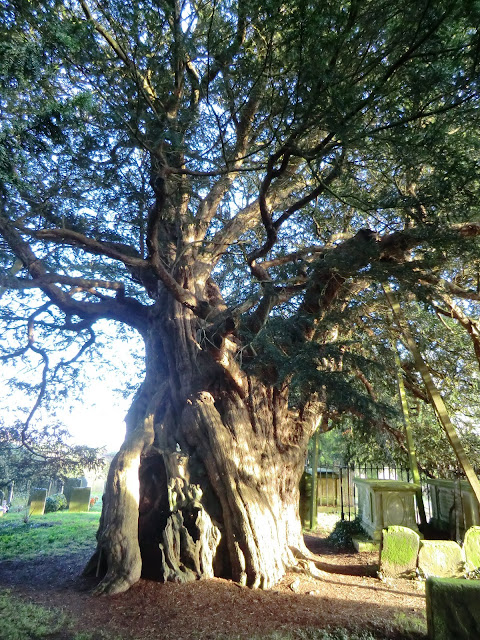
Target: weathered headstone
x: 452, y: 609
x: 79, y: 499
x: 36, y: 503
x: 471, y: 548
x: 441, y: 559
x: 398, y: 558
x: 445, y: 503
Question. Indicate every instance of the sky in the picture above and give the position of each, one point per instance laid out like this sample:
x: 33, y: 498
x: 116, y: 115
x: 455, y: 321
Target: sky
x: 98, y: 421
x: 95, y: 416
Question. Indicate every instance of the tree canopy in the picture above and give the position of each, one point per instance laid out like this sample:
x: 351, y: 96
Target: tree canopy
x: 303, y: 154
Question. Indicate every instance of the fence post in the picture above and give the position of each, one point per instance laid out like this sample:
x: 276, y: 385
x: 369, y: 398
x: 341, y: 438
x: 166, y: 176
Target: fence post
x: 341, y: 494
x: 313, y: 501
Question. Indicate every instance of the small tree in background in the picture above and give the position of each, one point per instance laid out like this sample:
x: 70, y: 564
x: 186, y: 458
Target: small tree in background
x: 46, y: 455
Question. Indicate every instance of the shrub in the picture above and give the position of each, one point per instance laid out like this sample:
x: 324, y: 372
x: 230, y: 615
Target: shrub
x: 57, y: 502
x: 344, y: 530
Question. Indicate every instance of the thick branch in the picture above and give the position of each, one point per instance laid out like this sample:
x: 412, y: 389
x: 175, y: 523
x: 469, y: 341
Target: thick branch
x: 126, y: 254
x: 472, y: 327
x: 124, y: 310
x: 10, y: 282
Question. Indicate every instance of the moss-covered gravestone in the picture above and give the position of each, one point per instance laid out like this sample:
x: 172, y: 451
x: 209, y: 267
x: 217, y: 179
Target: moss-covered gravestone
x: 453, y: 611
x: 80, y: 499
x: 398, y: 557
x: 471, y: 548
x: 36, y: 502
x: 441, y: 559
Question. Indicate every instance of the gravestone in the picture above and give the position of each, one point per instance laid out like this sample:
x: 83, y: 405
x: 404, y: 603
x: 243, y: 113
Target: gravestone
x: 445, y: 503
x: 452, y: 609
x: 471, y: 548
x: 470, y: 506
x: 36, y: 502
x: 79, y: 499
x: 441, y: 559
x: 384, y: 503
x: 398, y: 557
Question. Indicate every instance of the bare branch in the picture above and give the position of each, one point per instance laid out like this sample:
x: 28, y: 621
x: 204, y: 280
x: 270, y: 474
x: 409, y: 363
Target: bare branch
x: 126, y: 310
x: 124, y: 253
x: 9, y: 282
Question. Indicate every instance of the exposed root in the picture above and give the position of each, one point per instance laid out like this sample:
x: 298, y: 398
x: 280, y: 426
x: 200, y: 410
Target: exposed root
x: 306, y: 564
x: 111, y: 586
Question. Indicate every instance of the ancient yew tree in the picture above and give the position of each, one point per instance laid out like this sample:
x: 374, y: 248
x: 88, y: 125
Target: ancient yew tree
x: 234, y: 181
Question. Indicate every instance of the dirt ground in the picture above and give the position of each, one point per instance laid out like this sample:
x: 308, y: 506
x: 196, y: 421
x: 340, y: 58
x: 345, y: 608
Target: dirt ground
x: 346, y: 594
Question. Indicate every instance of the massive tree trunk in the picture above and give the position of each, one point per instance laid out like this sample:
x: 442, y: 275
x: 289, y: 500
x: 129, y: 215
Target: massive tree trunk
x: 206, y: 482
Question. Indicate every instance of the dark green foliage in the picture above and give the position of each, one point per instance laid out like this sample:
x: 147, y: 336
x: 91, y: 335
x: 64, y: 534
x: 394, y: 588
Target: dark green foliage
x: 56, y: 502
x: 343, y: 532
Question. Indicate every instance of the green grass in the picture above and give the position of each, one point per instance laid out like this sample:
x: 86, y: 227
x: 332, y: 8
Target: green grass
x: 51, y: 534
x: 26, y: 621
x: 412, y: 625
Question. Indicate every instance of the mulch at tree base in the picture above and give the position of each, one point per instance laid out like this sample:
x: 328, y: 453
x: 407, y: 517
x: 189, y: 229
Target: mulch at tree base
x: 346, y: 595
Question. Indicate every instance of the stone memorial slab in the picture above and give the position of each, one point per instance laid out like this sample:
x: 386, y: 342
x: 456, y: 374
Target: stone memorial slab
x: 36, y: 502
x: 441, y: 559
x: 471, y: 548
x: 398, y: 557
x: 452, y: 609
x: 79, y: 499
x: 447, y: 496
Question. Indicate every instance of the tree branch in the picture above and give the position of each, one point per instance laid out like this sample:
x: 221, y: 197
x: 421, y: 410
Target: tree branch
x: 125, y: 310
x: 120, y: 52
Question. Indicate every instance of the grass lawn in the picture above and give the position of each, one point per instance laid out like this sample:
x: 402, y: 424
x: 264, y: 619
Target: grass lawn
x: 26, y: 621
x: 51, y: 534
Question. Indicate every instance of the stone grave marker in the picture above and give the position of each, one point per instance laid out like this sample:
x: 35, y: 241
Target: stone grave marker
x: 79, y: 499
x: 36, y: 502
x: 471, y: 548
x: 398, y: 557
x: 452, y: 609
x: 441, y: 559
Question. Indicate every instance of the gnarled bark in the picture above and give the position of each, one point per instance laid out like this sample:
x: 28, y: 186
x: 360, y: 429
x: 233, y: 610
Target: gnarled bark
x: 206, y: 483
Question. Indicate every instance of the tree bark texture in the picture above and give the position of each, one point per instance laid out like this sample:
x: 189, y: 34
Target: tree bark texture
x: 206, y: 482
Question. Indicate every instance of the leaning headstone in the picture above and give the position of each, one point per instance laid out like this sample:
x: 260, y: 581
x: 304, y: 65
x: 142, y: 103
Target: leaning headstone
x: 398, y: 558
x: 471, y: 548
x: 79, y: 499
x: 36, y: 502
x: 452, y: 609
x: 441, y: 559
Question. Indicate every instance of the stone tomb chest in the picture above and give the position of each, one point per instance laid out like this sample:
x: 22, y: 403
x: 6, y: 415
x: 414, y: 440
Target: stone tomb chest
x: 383, y: 503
